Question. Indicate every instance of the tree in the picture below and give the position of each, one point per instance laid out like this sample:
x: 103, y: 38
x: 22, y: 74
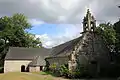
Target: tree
x: 32, y: 41
x: 12, y: 33
x: 13, y: 30
x: 106, y: 30
x: 117, y: 29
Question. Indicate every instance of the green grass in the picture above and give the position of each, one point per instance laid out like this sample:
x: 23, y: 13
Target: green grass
x: 41, y: 73
x: 45, y: 73
x: 23, y: 76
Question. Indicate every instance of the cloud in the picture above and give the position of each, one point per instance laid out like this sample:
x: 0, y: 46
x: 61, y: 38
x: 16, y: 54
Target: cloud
x: 36, y: 22
x: 70, y: 32
x: 46, y: 40
x: 70, y: 12
x: 61, y: 11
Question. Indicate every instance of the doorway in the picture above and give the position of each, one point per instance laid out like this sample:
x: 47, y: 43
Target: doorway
x: 23, y: 68
x: 41, y: 68
x: 94, y: 68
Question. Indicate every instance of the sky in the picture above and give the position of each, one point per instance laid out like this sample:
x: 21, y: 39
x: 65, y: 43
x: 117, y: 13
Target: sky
x: 58, y: 21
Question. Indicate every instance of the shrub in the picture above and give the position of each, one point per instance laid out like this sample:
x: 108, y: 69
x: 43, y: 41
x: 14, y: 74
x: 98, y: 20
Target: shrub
x: 64, y: 70
x: 53, y: 67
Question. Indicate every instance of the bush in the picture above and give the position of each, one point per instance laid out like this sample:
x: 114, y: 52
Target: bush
x: 53, y: 67
x: 64, y: 70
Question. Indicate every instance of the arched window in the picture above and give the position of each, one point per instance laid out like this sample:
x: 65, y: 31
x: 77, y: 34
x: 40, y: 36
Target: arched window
x: 23, y: 68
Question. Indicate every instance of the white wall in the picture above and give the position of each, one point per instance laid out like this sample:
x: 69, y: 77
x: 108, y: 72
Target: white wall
x: 15, y: 65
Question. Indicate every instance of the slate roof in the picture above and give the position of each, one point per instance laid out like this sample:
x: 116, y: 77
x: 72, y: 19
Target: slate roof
x: 56, y: 51
x: 21, y: 53
x: 38, y: 61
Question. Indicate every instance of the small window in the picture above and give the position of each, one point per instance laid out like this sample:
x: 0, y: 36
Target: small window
x: 86, y: 29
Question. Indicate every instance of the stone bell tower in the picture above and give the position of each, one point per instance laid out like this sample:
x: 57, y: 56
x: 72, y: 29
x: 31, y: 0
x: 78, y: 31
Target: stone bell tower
x: 89, y: 23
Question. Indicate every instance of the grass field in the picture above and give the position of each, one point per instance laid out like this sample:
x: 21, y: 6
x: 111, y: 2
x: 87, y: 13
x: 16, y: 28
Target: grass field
x: 27, y: 76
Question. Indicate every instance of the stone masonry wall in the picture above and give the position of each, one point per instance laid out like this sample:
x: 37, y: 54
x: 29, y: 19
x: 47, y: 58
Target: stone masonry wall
x: 34, y: 69
x: 15, y: 65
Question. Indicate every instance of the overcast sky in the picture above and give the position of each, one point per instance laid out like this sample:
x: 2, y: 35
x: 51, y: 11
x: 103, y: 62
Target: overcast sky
x: 58, y: 21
